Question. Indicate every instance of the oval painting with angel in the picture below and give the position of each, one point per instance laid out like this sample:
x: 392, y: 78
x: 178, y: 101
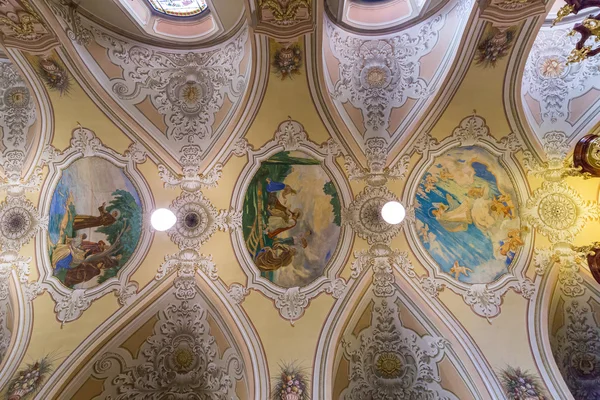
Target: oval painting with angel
x: 95, y: 223
x: 467, y: 215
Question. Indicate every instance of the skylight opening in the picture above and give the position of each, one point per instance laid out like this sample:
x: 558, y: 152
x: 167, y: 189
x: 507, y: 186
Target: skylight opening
x: 179, y: 8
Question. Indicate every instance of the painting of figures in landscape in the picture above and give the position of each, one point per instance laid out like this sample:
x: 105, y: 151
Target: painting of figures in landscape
x: 467, y: 215
x: 95, y: 223
x: 291, y: 219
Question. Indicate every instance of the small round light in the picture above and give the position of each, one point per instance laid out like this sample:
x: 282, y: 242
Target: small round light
x: 163, y: 219
x: 393, y: 212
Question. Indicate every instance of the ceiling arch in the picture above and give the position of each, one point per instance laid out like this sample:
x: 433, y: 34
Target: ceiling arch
x: 557, y: 96
x: 183, y: 341
x: 381, y: 85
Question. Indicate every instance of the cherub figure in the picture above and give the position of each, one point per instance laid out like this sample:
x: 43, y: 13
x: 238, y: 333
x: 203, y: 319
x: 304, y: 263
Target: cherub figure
x: 429, y: 183
x: 457, y: 270
x: 512, y: 242
x: 503, y: 206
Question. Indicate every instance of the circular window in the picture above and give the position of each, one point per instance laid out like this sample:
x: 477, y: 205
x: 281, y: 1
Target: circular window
x: 179, y: 8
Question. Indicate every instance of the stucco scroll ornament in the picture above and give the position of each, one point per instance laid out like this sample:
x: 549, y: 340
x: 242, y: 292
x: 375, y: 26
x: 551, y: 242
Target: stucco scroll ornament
x: 71, y: 303
x: 180, y: 360
x: 191, y: 180
x: 67, y: 11
x: 292, y: 301
x: 576, y: 349
x: 484, y: 298
x: 188, y: 89
x: 557, y: 164
x: 5, y: 332
x: 17, y: 115
x: 379, y: 75
x: 569, y: 260
x: 388, y: 360
x: 377, y: 173
x: 553, y: 83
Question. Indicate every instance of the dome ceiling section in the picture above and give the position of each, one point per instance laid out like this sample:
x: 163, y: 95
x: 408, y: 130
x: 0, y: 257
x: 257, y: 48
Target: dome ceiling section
x: 556, y: 96
x: 381, y: 86
x: 184, y: 99
x: 140, y: 19
x: 380, y: 15
x: 183, y: 344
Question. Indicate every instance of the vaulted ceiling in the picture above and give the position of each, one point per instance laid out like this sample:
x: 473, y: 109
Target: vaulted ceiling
x: 276, y: 130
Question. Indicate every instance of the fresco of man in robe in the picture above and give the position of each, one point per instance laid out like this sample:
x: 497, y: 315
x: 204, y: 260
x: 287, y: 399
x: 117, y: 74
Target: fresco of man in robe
x: 91, y: 221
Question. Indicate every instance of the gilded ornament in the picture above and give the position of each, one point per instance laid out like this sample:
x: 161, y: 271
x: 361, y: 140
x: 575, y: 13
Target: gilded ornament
x: 285, y: 11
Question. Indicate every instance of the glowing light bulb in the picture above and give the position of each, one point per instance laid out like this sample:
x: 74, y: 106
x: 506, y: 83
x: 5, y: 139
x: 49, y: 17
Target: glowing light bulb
x: 393, y: 212
x: 163, y: 219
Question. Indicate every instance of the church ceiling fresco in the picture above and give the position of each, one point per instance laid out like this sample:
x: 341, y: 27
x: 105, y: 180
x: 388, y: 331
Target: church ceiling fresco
x: 276, y: 140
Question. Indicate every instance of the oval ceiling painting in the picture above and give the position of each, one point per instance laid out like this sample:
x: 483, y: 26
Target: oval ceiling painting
x: 291, y: 219
x: 467, y: 215
x: 95, y: 223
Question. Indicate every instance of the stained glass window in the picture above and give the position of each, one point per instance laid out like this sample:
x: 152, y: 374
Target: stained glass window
x: 179, y: 8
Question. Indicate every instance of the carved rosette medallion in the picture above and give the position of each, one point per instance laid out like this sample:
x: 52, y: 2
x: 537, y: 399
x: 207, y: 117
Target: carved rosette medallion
x: 558, y: 212
x: 198, y: 220
x: 19, y: 222
x: 364, y: 215
x: 17, y: 114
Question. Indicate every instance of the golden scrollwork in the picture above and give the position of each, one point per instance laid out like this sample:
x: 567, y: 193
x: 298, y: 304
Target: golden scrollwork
x: 563, y: 12
x: 285, y: 12
x: 23, y: 26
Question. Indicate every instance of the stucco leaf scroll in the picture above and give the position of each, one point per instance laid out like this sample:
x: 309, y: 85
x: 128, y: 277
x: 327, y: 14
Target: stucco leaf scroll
x: 188, y: 89
x: 388, y: 360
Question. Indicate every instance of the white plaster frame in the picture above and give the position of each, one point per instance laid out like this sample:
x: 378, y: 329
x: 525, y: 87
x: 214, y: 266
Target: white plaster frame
x: 484, y: 299
x: 291, y: 302
x: 70, y: 304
